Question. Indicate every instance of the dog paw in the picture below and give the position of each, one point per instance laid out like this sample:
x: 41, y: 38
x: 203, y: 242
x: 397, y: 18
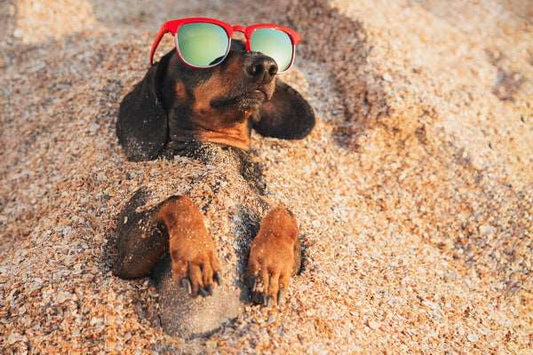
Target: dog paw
x: 192, y: 250
x: 196, y: 270
x: 274, y: 257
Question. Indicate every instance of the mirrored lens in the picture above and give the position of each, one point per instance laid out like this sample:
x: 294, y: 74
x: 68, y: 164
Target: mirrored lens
x: 202, y: 44
x: 275, y: 44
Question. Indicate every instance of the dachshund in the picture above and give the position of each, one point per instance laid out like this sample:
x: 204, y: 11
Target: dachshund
x: 176, y: 110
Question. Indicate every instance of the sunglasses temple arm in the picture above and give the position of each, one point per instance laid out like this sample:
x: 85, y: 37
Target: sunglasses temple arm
x: 162, y: 31
x: 297, y: 38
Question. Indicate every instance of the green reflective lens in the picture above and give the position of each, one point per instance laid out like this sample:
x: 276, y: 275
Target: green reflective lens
x: 275, y: 44
x: 202, y: 44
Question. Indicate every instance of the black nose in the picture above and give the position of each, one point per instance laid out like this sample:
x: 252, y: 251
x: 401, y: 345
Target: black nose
x: 262, y: 68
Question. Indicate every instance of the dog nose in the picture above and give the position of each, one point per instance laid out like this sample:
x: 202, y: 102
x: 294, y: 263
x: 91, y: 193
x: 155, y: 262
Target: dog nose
x: 262, y: 68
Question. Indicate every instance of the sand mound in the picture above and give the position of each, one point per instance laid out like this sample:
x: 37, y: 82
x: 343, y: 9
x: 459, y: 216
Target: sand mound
x: 413, y: 193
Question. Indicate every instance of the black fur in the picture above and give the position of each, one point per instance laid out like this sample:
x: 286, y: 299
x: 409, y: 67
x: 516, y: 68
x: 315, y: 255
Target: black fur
x: 286, y: 116
x: 141, y: 242
x: 142, y: 126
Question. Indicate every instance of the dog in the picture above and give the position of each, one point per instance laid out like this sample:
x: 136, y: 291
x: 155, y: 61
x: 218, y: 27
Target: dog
x: 206, y: 114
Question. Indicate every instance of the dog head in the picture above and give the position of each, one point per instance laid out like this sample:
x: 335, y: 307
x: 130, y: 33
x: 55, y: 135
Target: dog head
x: 175, y: 104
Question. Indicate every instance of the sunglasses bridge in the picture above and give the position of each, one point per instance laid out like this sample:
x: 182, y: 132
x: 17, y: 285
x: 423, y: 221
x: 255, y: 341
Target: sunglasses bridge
x: 240, y: 29
x: 173, y: 25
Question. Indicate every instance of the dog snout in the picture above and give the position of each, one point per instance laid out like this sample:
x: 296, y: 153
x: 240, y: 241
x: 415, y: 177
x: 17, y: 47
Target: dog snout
x: 262, y: 69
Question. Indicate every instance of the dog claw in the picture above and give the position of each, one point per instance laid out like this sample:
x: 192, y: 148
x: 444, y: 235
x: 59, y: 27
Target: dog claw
x: 281, y: 294
x: 267, y: 301
x: 203, y: 292
x: 254, y: 285
x: 217, y: 278
x: 209, y: 290
x: 186, y: 284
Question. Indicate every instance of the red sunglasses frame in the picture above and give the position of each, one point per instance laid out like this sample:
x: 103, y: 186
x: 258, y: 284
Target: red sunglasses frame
x: 173, y: 26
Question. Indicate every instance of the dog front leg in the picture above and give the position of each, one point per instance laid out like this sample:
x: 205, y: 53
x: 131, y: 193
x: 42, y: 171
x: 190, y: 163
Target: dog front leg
x: 192, y: 250
x: 141, y: 241
x: 274, y: 256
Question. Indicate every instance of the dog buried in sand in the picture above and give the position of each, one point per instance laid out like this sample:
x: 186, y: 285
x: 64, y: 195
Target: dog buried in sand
x: 201, y: 101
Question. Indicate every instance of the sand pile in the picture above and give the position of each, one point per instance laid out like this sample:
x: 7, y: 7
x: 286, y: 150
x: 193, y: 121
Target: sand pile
x: 413, y: 193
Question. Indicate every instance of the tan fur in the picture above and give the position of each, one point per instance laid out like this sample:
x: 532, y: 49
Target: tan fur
x: 272, y: 255
x: 180, y: 90
x: 192, y: 250
x: 235, y: 136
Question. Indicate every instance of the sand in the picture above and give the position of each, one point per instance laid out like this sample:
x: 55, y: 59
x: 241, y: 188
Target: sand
x: 413, y: 193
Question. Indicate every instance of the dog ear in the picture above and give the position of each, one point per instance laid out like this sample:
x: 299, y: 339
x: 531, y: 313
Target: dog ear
x: 287, y: 115
x: 142, y: 127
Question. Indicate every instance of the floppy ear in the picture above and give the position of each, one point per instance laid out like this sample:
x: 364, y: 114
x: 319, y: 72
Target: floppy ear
x: 287, y: 115
x: 142, y: 127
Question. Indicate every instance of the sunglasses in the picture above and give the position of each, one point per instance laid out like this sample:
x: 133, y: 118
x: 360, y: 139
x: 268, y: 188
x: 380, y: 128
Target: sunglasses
x: 205, y: 42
